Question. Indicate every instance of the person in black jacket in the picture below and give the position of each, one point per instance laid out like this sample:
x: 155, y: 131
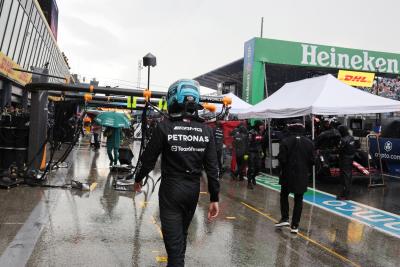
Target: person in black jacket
x: 255, y: 155
x: 296, y: 157
x: 346, y: 156
x: 187, y: 147
x: 240, y: 142
x: 219, y: 143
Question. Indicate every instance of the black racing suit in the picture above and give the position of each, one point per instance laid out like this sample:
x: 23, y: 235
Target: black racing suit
x: 255, y: 155
x: 187, y: 147
x: 219, y: 143
x: 346, y: 156
x: 240, y: 146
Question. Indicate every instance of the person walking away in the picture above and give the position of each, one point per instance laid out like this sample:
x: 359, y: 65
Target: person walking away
x: 255, y: 156
x: 96, y: 129
x: 240, y: 142
x: 233, y: 154
x: 113, y: 143
x: 263, y: 131
x: 187, y: 146
x: 219, y: 143
x: 346, y: 156
x: 296, y: 157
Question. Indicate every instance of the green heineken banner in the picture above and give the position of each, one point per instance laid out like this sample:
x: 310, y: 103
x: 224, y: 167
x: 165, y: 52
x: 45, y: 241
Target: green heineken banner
x: 259, y: 51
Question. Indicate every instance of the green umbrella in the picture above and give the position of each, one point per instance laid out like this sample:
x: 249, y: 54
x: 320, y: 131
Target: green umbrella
x: 113, y: 119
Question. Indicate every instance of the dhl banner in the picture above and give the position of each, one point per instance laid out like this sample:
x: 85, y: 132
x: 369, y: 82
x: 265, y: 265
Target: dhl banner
x: 6, y: 69
x: 354, y: 78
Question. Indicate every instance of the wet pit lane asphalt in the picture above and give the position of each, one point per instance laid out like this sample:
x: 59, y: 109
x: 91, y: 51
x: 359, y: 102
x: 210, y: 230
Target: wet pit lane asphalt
x: 104, y: 227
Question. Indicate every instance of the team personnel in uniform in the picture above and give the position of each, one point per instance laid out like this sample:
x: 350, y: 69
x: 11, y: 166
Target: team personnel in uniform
x: 255, y: 156
x: 346, y: 156
x: 240, y: 142
x: 187, y: 147
x: 219, y: 143
x: 296, y: 157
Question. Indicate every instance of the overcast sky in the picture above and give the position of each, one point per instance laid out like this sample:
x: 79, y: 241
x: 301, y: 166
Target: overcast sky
x: 106, y: 38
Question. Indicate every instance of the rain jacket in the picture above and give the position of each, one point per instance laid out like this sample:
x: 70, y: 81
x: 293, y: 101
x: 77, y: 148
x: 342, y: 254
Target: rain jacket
x: 296, y: 157
x: 255, y: 141
x: 240, y: 142
x: 346, y: 146
x: 219, y: 138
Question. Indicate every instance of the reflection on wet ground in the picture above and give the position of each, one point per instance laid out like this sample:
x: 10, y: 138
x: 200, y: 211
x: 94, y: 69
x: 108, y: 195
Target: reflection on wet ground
x: 386, y: 198
x: 53, y: 227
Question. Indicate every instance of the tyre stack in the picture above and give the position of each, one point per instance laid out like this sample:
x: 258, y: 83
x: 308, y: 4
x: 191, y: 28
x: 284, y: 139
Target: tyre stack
x: 14, y: 139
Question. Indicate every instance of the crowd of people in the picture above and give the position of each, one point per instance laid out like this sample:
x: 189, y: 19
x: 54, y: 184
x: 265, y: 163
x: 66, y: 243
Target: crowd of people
x: 297, y: 154
x: 188, y: 146
x: 385, y: 87
x: 248, y: 146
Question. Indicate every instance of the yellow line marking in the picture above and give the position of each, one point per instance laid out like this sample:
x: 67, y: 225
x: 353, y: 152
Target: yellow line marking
x: 93, y: 186
x: 306, y: 238
x: 260, y: 212
x: 231, y: 218
x: 155, y: 251
x: 143, y: 204
x: 203, y: 193
x: 158, y: 227
x: 162, y: 259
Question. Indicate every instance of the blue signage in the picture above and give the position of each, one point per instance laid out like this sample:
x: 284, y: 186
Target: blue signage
x: 389, y: 152
x: 380, y: 220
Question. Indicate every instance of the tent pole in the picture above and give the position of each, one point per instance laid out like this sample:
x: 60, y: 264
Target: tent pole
x: 270, y: 146
x: 313, y: 137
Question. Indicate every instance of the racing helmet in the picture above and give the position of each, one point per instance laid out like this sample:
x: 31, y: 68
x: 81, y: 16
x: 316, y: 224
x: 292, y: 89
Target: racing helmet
x: 182, y: 92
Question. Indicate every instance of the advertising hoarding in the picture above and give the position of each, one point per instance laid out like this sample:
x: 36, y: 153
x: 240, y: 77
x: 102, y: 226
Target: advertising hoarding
x: 269, y: 51
x: 356, y: 78
x: 6, y: 69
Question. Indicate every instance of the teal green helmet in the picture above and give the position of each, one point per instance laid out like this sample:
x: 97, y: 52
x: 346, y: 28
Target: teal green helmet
x: 182, y: 91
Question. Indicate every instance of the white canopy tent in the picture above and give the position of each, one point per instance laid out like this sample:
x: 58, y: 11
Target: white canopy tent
x: 238, y: 105
x: 324, y: 95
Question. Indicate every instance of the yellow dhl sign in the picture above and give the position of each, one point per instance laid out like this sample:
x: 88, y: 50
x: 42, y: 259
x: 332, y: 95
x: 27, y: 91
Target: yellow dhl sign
x: 6, y: 69
x: 354, y: 78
